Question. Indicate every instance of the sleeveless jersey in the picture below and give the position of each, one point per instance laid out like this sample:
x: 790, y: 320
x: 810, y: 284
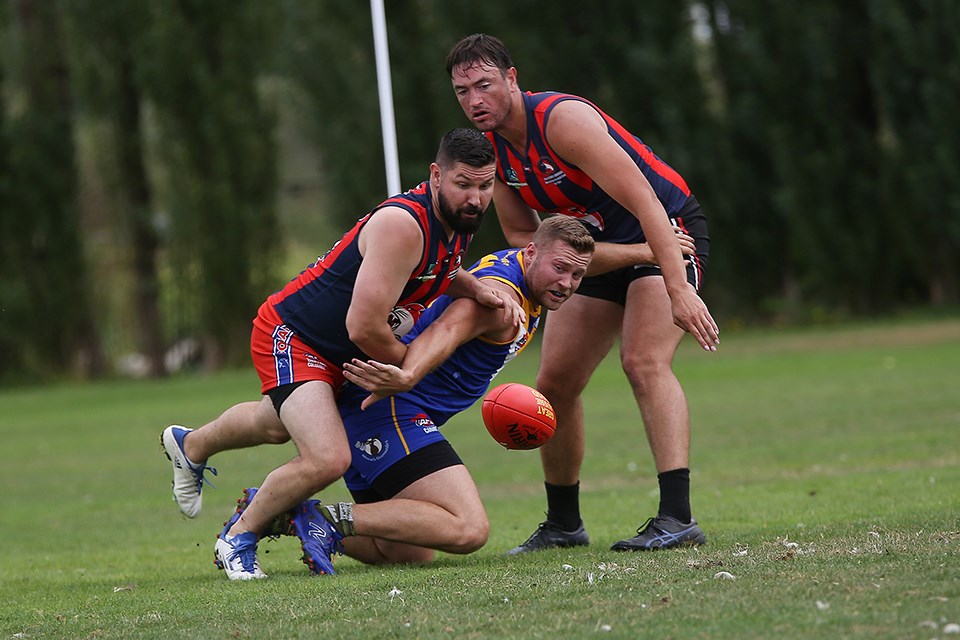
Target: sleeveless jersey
x: 549, y: 185
x: 314, y: 304
x: 464, y: 377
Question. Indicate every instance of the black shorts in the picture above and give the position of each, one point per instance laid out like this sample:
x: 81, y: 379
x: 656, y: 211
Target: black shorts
x: 279, y: 395
x: 613, y: 285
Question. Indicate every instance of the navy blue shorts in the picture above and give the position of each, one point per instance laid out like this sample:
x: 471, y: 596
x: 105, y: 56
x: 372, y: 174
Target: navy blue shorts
x: 613, y: 284
x: 393, y: 444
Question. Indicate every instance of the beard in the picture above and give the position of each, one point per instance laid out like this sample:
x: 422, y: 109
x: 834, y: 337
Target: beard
x: 455, y: 218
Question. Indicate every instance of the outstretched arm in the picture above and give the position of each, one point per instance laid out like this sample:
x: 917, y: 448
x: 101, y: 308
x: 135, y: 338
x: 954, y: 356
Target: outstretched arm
x: 463, y: 320
x: 466, y: 285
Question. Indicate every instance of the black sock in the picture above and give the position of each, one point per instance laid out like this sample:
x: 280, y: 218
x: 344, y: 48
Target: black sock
x: 563, y: 505
x: 675, y: 494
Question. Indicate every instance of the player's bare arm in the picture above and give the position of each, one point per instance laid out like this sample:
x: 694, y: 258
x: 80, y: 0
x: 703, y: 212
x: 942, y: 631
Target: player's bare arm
x: 616, y: 256
x: 466, y: 285
x: 517, y: 220
x: 460, y: 322
x: 391, y: 244
x: 579, y: 134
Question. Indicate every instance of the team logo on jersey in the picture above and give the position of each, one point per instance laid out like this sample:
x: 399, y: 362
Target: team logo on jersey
x: 372, y: 448
x: 513, y: 180
x: 401, y: 319
x: 457, y: 262
x: 429, y: 272
x: 544, y: 167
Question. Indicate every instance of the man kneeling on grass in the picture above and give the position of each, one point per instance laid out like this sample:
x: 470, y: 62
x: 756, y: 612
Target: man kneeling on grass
x: 412, y: 493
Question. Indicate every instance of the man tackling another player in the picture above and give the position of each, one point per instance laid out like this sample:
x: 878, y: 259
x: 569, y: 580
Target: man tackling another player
x: 413, y: 494
x: 403, y: 254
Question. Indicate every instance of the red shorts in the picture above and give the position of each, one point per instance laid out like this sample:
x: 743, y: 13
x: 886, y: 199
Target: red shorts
x: 280, y: 357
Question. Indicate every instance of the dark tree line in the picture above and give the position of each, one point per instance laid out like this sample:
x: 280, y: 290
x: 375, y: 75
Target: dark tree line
x: 818, y: 136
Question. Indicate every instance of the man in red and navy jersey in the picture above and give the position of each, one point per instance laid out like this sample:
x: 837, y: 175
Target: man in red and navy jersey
x: 558, y: 153
x: 395, y: 261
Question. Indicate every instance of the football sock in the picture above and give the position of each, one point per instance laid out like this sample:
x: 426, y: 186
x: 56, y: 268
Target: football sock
x: 563, y: 505
x: 339, y: 515
x: 675, y: 494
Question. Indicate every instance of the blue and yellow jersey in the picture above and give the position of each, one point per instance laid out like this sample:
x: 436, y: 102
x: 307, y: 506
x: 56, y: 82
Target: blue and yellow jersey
x: 466, y: 375
x: 314, y: 304
x: 549, y: 185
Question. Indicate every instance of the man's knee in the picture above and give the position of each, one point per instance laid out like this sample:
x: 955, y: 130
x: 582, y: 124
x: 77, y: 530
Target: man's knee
x: 559, y: 388
x: 472, y: 535
x: 325, y: 467
x: 645, y: 369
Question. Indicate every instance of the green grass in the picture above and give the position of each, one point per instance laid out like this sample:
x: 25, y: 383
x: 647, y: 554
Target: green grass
x: 826, y: 474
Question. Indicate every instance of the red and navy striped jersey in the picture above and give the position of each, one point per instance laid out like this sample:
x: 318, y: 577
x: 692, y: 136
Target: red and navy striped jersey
x: 549, y: 185
x: 314, y: 304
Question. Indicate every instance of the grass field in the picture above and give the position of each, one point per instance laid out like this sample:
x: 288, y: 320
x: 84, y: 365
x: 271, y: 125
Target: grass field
x: 826, y: 474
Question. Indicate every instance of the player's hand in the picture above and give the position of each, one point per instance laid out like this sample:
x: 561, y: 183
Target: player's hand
x: 513, y: 313
x: 380, y: 379
x: 692, y: 315
x: 687, y: 248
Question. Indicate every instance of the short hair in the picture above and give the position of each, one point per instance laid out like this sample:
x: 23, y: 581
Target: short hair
x: 565, y: 229
x: 467, y: 146
x: 479, y: 48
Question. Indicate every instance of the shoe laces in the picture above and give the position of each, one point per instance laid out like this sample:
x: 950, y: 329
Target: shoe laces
x: 646, y: 525
x: 543, y: 526
x: 201, y: 475
x: 246, y: 553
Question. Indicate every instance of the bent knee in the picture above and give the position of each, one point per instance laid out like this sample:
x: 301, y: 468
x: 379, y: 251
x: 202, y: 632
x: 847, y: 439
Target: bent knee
x: 473, y: 535
x: 325, y: 469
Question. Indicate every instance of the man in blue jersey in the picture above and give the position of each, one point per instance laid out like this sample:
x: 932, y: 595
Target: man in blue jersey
x: 558, y: 153
x: 397, y: 259
x: 412, y: 493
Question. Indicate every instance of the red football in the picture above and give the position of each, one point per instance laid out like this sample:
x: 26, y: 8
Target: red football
x: 518, y: 416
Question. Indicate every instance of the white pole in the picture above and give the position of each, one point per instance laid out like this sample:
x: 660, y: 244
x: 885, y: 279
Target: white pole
x: 385, y: 90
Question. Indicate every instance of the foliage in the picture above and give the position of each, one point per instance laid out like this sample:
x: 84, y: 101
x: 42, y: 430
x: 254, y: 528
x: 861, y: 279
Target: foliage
x: 817, y: 135
x: 106, y: 38
x: 796, y: 125
x: 822, y: 475
x: 200, y: 67
x: 822, y: 118
x: 918, y: 95
x: 47, y: 320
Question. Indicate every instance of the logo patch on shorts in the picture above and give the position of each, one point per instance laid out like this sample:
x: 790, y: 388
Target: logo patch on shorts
x: 315, y: 362
x: 372, y: 448
x: 423, y: 421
